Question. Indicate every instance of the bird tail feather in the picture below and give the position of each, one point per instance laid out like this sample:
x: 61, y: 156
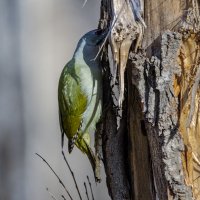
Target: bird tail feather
x: 94, y: 162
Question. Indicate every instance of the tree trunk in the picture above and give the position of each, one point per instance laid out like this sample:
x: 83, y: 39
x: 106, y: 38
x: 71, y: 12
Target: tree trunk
x: 155, y: 153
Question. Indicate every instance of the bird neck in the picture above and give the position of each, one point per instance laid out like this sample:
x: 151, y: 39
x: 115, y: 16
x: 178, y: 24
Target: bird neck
x: 86, y: 53
x: 79, y: 49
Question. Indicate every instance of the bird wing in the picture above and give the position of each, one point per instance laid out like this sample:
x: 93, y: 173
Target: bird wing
x: 72, y: 101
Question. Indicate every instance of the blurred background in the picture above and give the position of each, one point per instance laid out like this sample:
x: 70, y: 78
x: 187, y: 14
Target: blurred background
x: 37, y: 38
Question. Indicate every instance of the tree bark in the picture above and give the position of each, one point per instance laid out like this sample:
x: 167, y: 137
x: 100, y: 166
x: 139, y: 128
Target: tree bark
x: 155, y: 152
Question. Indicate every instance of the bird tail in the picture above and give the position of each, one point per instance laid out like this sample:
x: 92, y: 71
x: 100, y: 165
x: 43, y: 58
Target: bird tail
x: 91, y: 157
x: 94, y: 161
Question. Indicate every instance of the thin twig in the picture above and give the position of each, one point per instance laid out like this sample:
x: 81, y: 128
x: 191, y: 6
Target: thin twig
x: 109, y: 31
x: 60, y: 181
x: 84, y: 3
x: 196, y: 178
x: 191, y: 54
x: 197, y: 161
x: 195, y: 158
x: 90, y: 187
x: 160, y: 4
x: 51, y: 195
x: 164, y: 29
x: 63, y: 197
x: 86, y: 191
x: 166, y: 26
x: 72, y: 173
x: 193, y: 95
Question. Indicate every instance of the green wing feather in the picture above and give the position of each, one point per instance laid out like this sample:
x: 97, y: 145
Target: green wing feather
x: 72, y: 105
x: 72, y: 101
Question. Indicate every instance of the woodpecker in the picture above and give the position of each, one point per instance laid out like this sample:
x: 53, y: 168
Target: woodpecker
x: 80, y: 94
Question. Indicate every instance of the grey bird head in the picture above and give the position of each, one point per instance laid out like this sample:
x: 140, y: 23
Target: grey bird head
x: 89, y: 45
x: 94, y: 37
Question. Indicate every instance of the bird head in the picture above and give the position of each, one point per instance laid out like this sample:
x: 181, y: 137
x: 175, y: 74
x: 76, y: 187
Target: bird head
x: 94, y: 37
x: 89, y: 45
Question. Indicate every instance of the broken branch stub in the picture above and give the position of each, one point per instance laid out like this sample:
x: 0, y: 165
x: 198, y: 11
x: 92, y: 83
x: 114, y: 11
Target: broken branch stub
x: 126, y: 26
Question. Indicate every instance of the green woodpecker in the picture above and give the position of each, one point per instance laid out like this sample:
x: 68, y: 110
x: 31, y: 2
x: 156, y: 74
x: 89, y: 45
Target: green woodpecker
x: 80, y: 94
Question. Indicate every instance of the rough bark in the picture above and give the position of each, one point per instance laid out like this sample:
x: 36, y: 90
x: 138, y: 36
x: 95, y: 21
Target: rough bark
x: 162, y: 99
x: 160, y: 108
x: 113, y: 140
x: 114, y: 143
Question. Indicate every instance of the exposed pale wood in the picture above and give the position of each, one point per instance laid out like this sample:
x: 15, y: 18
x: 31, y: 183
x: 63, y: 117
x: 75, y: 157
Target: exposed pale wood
x: 161, y: 15
x: 189, y: 56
